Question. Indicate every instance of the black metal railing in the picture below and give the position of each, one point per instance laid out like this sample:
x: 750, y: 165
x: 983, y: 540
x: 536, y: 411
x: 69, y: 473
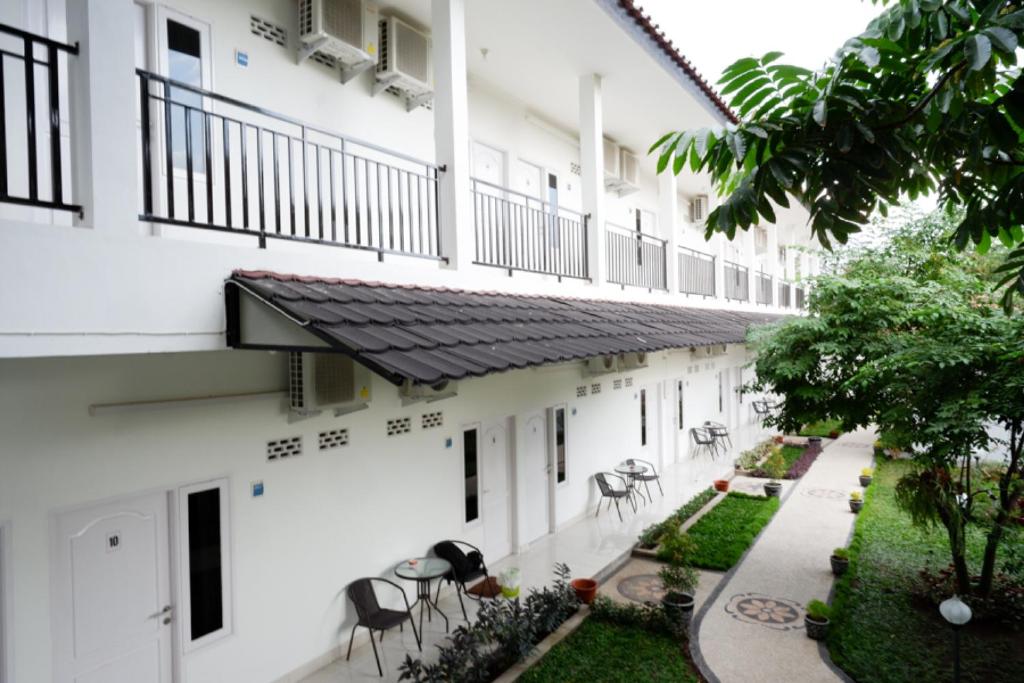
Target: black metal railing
x: 217, y: 163
x: 785, y: 295
x: 696, y: 272
x: 32, y: 168
x: 736, y: 281
x: 635, y: 259
x: 518, y: 232
x: 799, y: 297
x: 764, y: 289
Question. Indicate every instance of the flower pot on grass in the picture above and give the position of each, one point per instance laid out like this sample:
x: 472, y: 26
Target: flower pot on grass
x: 773, y: 489
x: 722, y: 485
x: 678, y: 576
x: 866, y: 475
x: 585, y: 589
x: 775, y: 467
x: 840, y: 561
x: 816, y: 620
x: 856, y: 501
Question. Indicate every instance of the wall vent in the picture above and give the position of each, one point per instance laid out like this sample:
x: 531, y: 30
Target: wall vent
x: 399, y: 425
x: 595, y: 389
x: 279, y: 449
x: 575, y: 168
x: 617, y: 384
x: 325, y: 59
x: 296, y: 392
x: 268, y: 31
x: 629, y: 381
x: 332, y: 438
x: 431, y: 420
x: 581, y: 391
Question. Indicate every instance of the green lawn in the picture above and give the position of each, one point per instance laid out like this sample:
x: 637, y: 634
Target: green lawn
x: 790, y: 454
x: 728, y: 529
x: 822, y: 429
x: 601, y: 651
x: 880, y: 632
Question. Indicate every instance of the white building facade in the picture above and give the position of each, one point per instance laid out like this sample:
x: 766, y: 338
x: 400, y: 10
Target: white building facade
x: 153, y: 455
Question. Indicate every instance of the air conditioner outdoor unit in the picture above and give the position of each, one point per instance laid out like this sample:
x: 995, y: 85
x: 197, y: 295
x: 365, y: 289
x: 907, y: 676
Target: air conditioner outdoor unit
x: 709, y: 351
x: 699, y: 208
x: 600, y: 365
x: 344, y: 29
x: 629, y: 173
x: 414, y: 393
x: 612, y: 164
x: 405, y: 60
x: 633, y: 361
x: 326, y: 381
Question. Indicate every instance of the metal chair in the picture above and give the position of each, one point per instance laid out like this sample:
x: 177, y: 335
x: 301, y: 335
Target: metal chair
x: 650, y: 475
x: 466, y: 568
x: 373, y: 617
x: 720, y: 432
x: 611, y: 493
x: 704, y: 439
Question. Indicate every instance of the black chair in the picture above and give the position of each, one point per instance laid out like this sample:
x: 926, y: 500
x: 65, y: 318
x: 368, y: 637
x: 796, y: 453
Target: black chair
x: 704, y: 439
x: 720, y: 432
x: 466, y: 568
x: 761, y: 409
x: 611, y: 493
x: 371, y: 615
x: 650, y: 475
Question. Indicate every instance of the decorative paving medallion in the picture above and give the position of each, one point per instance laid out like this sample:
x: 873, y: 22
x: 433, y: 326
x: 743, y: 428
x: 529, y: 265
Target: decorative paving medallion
x: 642, y: 588
x: 830, y: 494
x: 763, y: 610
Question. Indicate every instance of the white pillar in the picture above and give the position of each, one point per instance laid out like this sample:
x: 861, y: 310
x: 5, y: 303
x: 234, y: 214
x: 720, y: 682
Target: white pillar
x: 451, y: 129
x: 592, y: 163
x: 103, y: 100
x: 668, y: 218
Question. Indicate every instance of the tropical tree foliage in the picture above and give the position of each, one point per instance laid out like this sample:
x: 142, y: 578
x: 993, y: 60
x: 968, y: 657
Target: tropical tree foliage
x: 911, y: 339
x: 927, y: 100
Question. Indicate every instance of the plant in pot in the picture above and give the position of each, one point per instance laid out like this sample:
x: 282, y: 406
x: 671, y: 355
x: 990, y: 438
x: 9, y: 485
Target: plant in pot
x: 775, y: 467
x: 585, y: 589
x: 865, y: 476
x: 678, y: 576
x: 722, y: 485
x: 856, y: 501
x: 816, y: 620
x: 840, y: 561
x: 778, y: 438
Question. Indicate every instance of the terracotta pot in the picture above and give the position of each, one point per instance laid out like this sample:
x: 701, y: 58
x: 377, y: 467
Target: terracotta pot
x: 816, y: 630
x: 778, y: 439
x: 722, y: 485
x: 833, y: 434
x: 585, y: 589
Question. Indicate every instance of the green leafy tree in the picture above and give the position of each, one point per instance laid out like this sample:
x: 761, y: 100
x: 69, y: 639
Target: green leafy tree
x: 912, y: 340
x: 927, y: 100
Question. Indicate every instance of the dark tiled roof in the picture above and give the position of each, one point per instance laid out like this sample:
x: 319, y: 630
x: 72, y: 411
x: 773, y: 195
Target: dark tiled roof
x: 431, y: 334
x: 661, y: 41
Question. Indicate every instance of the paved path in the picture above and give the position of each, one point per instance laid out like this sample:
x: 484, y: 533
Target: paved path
x: 787, y: 567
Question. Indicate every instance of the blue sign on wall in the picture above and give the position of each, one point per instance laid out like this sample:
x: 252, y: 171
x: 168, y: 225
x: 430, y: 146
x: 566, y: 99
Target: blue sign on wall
x: 241, y: 58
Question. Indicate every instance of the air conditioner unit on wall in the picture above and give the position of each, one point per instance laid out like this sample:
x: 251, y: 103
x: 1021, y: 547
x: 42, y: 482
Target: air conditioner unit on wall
x: 699, y: 208
x: 405, y: 61
x: 709, y: 351
x: 629, y: 173
x: 633, y: 361
x: 600, y: 365
x: 343, y: 29
x: 612, y: 161
x: 414, y: 393
x: 326, y: 381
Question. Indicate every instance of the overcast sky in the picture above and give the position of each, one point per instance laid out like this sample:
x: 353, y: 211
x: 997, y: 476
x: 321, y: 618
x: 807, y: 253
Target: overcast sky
x: 715, y: 33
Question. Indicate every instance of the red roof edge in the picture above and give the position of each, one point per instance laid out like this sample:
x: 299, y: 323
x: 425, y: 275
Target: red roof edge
x: 661, y: 41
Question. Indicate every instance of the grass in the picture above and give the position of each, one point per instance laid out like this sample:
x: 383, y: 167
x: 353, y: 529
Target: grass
x: 728, y: 529
x: 790, y: 454
x: 879, y: 631
x: 600, y: 651
x: 822, y: 428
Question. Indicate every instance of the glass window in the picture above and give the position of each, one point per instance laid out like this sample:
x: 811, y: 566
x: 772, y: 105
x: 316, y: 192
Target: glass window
x: 471, y: 467
x: 560, y: 444
x: 184, y: 64
x: 679, y: 403
x: 205, y: 570
x: 643, y: 417
x: 721, y: 405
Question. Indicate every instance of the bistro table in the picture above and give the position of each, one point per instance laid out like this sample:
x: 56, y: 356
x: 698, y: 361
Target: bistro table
x: 631, y: 472
x: 423, y: 570
x: 720, y: 432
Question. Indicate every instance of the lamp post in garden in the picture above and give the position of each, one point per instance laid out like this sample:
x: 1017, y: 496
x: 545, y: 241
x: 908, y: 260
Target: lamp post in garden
x: 957, y: 613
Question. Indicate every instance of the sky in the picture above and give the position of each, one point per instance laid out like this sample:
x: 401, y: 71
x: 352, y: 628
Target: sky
x: 715, y: 33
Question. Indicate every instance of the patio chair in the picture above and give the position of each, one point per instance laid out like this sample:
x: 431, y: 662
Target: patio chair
x: 703, y: 439
x: 611, y: 493
x: 720, y: 432
x: 650, y: 475
x: 761, y: 410
x: 372, y: 616
x: 466, y: 569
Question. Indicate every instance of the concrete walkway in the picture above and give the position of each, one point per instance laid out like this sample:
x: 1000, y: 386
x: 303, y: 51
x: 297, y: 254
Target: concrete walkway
x: 751, y: 628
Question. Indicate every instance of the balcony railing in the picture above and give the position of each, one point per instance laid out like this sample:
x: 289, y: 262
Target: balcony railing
x: 515, y: 231
x: 799, y: 297
x: 635, y: 259
x: 764, y: 289
x: 217, y: 163
x: 696, y: 272
x: 737, y: 282
x: 785, y: 298
x: 32, y: 151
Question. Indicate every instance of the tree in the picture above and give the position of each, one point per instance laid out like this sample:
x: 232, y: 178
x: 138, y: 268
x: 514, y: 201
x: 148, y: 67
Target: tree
x: 912, y: 340
x: 926, y: 100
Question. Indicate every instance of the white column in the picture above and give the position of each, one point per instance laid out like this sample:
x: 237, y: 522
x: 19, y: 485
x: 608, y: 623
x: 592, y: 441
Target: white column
x: 103, y: 100
x: 451, y: 129
x: 592, y: 163
x: 668, y: 218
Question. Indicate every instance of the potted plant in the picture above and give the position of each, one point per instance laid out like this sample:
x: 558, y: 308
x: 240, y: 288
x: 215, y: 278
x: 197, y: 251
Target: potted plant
x: 816, y: 619
x: 865, y: 476
x: 585, y: 589
x: 722, y: 485
x: 775, y: 467
x: 678, y: 576
x: 834, y: 434
x: 840, y: 561
x: 856, y: 501
x: 778, y: 438
x: 879, y: 449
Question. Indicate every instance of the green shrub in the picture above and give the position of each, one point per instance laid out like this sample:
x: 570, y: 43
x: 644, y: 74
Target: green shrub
x: 677, y: 550
x: 822, y: 428
x: 841, y: 553
x: 818, y: 610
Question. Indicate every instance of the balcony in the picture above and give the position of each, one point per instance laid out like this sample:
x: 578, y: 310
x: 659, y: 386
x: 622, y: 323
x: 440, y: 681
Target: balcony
x: 215, y: 163
x: 696, y: 273
x: 737, y: 282
x: 518, y: 232
x: 635, y: 259
x: 764, y: 289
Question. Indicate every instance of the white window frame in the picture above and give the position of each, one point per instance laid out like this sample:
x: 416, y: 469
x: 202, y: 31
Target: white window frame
x: 478, y: 522
x: 184, y: 604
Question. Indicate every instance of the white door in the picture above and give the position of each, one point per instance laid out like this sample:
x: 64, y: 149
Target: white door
x: 112, y: 603
x: 488, y: 164
x: 496, y: 488
x: 528, y: 179
x: 532, y: 453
